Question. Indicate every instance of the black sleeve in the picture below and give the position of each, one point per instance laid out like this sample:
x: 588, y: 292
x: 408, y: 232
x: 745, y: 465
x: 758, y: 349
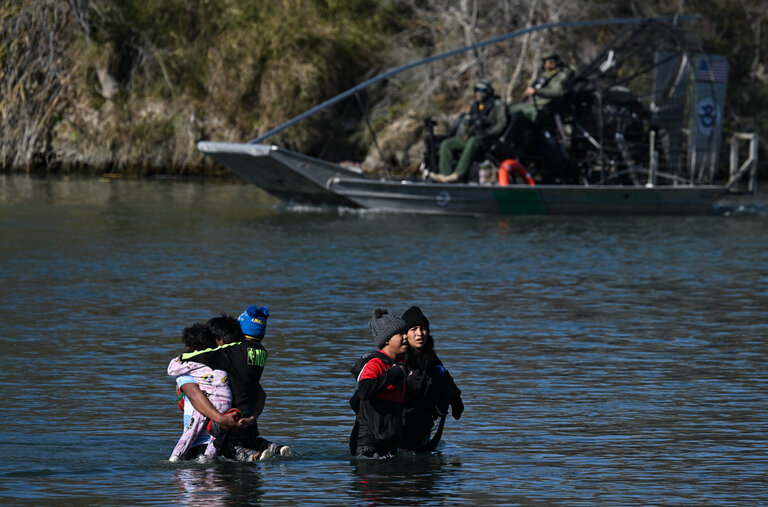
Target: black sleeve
x: 369, y: 387
x: 453, y: 394
x: 215, y: 359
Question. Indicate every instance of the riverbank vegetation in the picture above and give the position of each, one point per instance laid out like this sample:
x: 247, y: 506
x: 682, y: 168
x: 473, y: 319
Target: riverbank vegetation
x: 130, y: 86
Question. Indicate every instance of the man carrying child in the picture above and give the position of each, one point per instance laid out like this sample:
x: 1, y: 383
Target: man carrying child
x: 244, y: 361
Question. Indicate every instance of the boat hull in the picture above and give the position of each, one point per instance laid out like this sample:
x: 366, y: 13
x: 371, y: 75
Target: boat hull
x: 417, y: 197
x: 285, y: 174
x: 295, y: 177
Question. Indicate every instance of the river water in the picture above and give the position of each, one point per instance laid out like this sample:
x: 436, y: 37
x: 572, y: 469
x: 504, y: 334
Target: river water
x: 612, y: 361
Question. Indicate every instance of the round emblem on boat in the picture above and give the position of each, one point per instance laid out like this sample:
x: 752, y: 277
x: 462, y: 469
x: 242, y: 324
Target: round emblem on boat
x: 708, y: 115
x: 443, y: 198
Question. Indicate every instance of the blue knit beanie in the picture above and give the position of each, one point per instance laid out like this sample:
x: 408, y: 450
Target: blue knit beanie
x: 253, y: 321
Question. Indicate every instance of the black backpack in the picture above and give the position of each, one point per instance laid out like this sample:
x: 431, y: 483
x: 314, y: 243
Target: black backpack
x: 354, y: 400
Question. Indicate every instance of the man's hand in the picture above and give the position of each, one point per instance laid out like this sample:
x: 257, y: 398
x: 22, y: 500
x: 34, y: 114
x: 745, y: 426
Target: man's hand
x: 227, y: 421
x: 246, y: 421
x: 233, y: 419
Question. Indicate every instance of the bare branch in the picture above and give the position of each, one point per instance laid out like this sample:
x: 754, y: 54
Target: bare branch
x: 31, y: 86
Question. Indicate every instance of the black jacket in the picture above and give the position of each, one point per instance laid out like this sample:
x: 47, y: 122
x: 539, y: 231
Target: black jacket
x: 430, y: 390
x: 380, y: 391
x: 244, y: 363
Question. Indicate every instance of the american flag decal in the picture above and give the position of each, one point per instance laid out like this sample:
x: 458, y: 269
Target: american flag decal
x: 712, y: 70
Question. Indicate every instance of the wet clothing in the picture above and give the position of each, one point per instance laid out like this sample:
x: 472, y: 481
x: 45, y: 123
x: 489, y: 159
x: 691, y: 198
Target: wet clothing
x: 477, y: 132
x: 379, y: 420
x: 244, y: 361
x: 247, y: 436
x: 430, y: 390
x: 215, y: 385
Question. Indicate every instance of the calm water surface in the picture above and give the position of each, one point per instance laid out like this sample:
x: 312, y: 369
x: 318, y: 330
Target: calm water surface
x: 612, y: 361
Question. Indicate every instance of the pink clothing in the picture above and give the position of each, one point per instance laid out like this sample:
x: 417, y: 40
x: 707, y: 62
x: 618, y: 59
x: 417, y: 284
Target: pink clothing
x: 215, y: 385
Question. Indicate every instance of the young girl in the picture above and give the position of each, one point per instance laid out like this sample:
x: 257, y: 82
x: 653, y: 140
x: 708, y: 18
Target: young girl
x: 429, y: 387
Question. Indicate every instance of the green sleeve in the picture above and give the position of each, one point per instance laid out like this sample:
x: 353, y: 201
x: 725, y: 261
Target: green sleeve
x: 498, y: 120
x: 557, y: 86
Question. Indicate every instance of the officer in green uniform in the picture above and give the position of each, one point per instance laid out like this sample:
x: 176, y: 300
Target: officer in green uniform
x: 546, y: 91
x: 541, y: 98
x: 477, y: 132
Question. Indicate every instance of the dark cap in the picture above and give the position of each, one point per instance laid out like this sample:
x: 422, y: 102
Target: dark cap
x: 414, y: 317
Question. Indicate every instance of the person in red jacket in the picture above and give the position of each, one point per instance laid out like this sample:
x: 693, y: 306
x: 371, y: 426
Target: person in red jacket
x: 380, y: 390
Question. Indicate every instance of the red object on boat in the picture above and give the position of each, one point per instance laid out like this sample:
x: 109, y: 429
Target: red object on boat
x: 509, y: 165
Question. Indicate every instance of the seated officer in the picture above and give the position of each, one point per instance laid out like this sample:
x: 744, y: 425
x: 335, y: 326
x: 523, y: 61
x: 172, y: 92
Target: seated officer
x: 542, y: 97
x: 477, y: 132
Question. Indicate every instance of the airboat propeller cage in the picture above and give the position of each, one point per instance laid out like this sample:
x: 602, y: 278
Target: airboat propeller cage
x: 620, y: 140
x: 493, y: 40
x: 699, y: 143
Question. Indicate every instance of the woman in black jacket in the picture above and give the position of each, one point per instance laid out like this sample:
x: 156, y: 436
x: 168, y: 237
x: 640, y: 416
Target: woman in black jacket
x: 430, y: 389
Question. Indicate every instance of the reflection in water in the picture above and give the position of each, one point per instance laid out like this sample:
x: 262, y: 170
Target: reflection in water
x: 225, y: 484
x: 405, y: 479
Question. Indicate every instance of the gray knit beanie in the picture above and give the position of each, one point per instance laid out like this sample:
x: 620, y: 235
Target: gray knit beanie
x: 384, y: 326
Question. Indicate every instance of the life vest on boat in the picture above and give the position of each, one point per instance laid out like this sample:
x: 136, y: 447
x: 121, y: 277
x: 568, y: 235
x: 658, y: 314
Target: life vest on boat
x: 509, y: 165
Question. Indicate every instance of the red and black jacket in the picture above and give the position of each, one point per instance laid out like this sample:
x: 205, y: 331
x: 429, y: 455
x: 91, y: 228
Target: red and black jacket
x: 381, y: 391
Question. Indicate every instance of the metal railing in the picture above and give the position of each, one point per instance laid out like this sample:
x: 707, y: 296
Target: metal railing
x: 736, y: 171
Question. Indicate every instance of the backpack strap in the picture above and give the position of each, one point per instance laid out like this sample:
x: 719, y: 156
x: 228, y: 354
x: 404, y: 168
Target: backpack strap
x: 354, y: 401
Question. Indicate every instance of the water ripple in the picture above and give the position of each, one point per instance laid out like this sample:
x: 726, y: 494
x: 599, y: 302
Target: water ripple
x: 616, y: 361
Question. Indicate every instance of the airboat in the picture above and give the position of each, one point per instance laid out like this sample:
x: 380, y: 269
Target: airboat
x: 639, y: 133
